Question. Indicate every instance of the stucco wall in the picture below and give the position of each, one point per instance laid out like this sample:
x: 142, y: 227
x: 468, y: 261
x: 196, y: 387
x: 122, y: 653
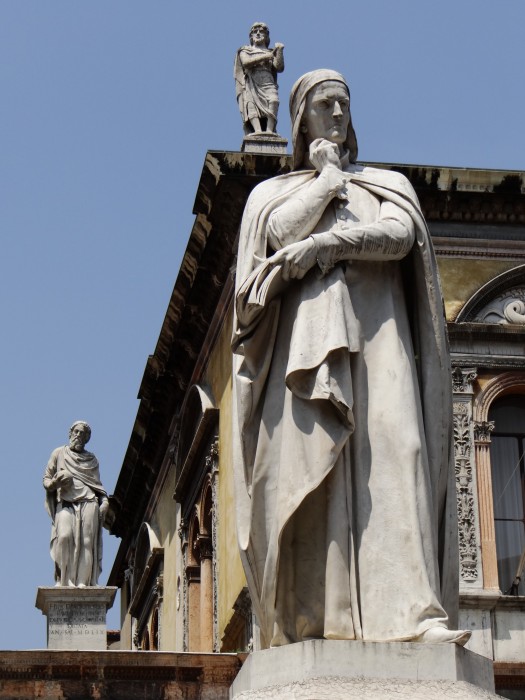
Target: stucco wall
x: 462, y: 277
x: 230, y: 574
x: 164, y: 522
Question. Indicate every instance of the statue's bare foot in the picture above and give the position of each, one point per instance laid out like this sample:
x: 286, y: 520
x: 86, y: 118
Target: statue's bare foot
x: 440, y: 635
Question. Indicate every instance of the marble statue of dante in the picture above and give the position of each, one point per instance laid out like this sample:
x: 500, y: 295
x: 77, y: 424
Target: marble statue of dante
x: 77, y: 504
x: 344, y: 489
x: 255, y: 72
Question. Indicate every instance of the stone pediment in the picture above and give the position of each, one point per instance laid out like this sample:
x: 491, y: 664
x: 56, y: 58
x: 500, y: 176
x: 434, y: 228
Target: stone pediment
x: 501, y: 301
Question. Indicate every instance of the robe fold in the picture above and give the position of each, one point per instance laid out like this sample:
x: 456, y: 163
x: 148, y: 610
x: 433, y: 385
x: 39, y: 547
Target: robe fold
x: 345, y: 496
x: 84, y: 468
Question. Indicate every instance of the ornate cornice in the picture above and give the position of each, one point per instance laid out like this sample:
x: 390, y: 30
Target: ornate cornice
x: 506, y: 383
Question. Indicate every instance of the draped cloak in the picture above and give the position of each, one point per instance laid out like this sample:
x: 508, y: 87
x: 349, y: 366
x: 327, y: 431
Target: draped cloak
x: 255, y: 88
x: 274, y: 489
x: 83, y: 466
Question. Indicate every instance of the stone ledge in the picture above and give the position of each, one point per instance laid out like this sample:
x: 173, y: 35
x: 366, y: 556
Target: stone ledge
x: 320, y: 666
x: 126, y: 675
x: 101, y: 595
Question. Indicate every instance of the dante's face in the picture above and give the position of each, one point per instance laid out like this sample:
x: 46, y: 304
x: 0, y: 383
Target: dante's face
x: 78, y: 438
x: 327, y: 112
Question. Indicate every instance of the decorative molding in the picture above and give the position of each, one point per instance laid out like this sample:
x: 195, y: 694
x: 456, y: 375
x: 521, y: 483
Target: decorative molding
x: 491, y: 362
x: 204, y: 546
x: 505, y: 383
x: 462, y: 379
x: 198, y: 419
x: 212, y: 462
x: 479, y: 307
x: 508, y: 308
x: 467, y: 534
x: 239, y: 631
x: 199, y: 542
x: 468, y: 527
x: 482, y: 431
x: 185, y: 624
x: 182, y: 532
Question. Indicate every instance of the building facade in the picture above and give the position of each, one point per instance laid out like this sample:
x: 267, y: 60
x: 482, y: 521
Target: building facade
x: 178, y: 567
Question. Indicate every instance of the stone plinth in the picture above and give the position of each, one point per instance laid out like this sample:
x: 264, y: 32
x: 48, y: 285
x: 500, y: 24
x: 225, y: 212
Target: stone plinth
x: 265, y: 142
x: 76, y: 617
x: 348, y: 669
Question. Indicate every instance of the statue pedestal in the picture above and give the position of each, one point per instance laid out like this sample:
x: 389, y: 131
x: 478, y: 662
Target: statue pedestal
x: 76, y: 617
x: 333, y: 670
x: 264, y: 142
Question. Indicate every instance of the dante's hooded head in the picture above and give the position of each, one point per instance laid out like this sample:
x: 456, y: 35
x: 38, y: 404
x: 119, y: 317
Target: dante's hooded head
x: 298, y: 96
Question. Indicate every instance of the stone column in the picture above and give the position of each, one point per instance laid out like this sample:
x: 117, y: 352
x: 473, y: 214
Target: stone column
x: 482, y: 430
x: 470, y: 569
x: 193, y: 574
x: 206, y: 593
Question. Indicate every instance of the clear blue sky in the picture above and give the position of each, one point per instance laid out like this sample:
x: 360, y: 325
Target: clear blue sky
x: 107, y: 109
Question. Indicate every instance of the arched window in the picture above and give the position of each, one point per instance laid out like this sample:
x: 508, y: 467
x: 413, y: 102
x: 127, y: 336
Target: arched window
x: 507, y: 452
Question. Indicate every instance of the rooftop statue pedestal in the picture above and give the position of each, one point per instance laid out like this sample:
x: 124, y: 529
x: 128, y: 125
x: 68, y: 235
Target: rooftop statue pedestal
x: 264, y: 142
x: 76, y: 617
x: 328, y: 669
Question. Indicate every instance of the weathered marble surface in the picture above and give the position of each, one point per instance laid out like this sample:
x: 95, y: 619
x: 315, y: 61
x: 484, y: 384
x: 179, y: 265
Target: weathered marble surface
x: 255, y: 72
x: 76, y: 617
x: 264, y: 143
x: 337, y: 669
x: 345, y: 486
x: 77, y: 504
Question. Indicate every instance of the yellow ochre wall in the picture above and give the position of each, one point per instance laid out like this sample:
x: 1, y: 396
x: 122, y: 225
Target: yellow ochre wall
x: 461, y: 278
x: 231, y: 577
x: 164, y: 523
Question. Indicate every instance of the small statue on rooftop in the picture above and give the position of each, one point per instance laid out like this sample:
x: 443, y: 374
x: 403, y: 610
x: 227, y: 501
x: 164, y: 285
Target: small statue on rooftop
x: 77, y: 504
x: 255, y: 72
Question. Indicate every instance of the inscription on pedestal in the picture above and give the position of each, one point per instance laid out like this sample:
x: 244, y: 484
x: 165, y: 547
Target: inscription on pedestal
x: 264, y: 143
x: 76, y: 625
x: 76, y: 617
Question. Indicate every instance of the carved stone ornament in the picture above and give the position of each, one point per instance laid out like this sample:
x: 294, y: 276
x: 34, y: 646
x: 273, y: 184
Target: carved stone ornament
x: 482, y: 431
x: 468, y: 551
x: 462, y: 379
x: 212, y: 462
x: 507, y: 308
x: 183, y: 532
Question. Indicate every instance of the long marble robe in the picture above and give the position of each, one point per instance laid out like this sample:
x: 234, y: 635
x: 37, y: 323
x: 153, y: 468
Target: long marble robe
x: 83, y: 508
x: 344, y: 488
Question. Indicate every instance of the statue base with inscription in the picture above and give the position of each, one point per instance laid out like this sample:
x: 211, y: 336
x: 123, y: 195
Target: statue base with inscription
x: 264, y: 142
x: 332, y: 670
x: 76, y: 617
